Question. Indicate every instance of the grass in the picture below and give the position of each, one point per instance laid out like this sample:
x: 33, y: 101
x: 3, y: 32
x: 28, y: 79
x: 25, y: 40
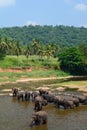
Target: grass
x: 30, y: 84
x: 12, y: 76
x: 77, y: 83
x: 21, y: 61
x: 39, y: 69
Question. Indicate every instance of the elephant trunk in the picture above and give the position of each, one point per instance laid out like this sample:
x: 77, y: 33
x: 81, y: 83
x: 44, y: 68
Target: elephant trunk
x: 32, y: 122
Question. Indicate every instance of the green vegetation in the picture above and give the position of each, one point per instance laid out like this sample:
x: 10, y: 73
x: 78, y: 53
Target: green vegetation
x: 13, y: 76
x: 40, y: 52
x: 62, y: 35
x: 33, y: 61
x: 72, y: 61
x: 57, y: 48
x: 34, y: 68
x: 51, y: 83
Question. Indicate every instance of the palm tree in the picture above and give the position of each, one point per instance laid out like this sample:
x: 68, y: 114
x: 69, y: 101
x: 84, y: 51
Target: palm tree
x: 8, y: 45
x: 49, y: 51
x: 27, y: 51
x: 17, y: 49
x: 36, y: 46
x: 3, y: 48
x: 0, y: 40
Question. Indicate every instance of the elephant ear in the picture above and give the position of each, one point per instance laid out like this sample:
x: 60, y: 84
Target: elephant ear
x: 37, y: 116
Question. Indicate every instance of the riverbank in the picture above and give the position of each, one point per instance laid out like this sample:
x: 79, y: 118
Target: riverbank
x: 78, y: 83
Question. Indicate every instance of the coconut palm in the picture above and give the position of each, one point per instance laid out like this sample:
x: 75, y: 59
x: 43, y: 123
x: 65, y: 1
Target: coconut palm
x: 36, y: 46
x: 27, y: 51
x: 17, y: 49
x: 3, y: 48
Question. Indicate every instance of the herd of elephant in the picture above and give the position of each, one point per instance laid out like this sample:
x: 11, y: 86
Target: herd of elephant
x: 43, y: 98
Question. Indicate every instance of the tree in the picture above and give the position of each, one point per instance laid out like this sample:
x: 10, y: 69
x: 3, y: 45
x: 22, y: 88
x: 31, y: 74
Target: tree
x: 49, y: 51
x: 71, y: 60
x: 17, y: 49
x: 3, y: 48
x: 36, y: 46
x: 83, y: 50
x: 2, y: 51
x: 27, y: 51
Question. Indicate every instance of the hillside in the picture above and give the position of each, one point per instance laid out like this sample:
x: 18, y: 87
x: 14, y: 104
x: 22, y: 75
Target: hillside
x: 63, y: 35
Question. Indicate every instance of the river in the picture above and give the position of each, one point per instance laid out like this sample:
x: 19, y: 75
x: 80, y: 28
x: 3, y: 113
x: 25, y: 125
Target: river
x: 15, y: 115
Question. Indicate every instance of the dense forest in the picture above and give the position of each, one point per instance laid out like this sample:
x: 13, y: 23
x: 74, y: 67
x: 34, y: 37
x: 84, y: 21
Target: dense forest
x: 67, y: 44
x: 62, y: 35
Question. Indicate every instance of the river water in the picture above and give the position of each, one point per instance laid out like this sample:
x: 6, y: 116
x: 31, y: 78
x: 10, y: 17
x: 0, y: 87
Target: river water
x: 15, y: 115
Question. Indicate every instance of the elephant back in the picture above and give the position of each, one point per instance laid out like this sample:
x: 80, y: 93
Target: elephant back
x: 38, y: 98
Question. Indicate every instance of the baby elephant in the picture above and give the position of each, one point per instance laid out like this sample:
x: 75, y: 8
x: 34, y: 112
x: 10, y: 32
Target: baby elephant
x: 38, y: 118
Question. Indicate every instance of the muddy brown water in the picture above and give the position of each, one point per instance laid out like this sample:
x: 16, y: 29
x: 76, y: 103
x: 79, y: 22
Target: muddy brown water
x: 15, y: 115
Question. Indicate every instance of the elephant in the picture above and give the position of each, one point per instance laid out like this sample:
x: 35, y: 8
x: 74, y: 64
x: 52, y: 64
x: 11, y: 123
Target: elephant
x: 49, y: 97
x: 44, y: 102
x: 72, y: 98
x: 38, y: 103
x: 34, y: 95
x: 20, y: 96
x: 75, y: 101
x: 68, y: 104
x: 42, y: 91
x: 23, y: 95
x: 14, y: 91
x: 27, y: 96
x: 82, y: 99
x: 38, y: 118
x: 60, y: 101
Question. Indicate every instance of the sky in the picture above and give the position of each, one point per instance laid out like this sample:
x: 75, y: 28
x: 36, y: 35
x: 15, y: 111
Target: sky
x: 43, y: 12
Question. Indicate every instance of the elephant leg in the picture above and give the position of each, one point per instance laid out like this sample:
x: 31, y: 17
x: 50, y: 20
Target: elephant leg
x: 44, y: 121
x: 35, y: 106
x: 71, y: 106
x: 28, y: 97
x: 14, y: 94
x: 18, y: 97
x: 22, y: 98
x: 39, y: 106
x: 85, y: 102
x: 65, y: 106
x: 76, y: 104
x: 58, y: 106
x: 38, y: 121
x: 25, y: 97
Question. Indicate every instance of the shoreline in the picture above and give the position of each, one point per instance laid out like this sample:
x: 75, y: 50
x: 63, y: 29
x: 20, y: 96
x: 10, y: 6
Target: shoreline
x: 82, y: 88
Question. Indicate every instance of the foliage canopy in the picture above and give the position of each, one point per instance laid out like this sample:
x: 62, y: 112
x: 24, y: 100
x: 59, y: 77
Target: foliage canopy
x: 71, y: 60
x: 63, y: 35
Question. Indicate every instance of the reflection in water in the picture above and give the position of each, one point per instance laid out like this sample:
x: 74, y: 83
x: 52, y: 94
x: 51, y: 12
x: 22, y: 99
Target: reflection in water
x: 15, y: 115
x: 41, y: 127
x: 26, y: 104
